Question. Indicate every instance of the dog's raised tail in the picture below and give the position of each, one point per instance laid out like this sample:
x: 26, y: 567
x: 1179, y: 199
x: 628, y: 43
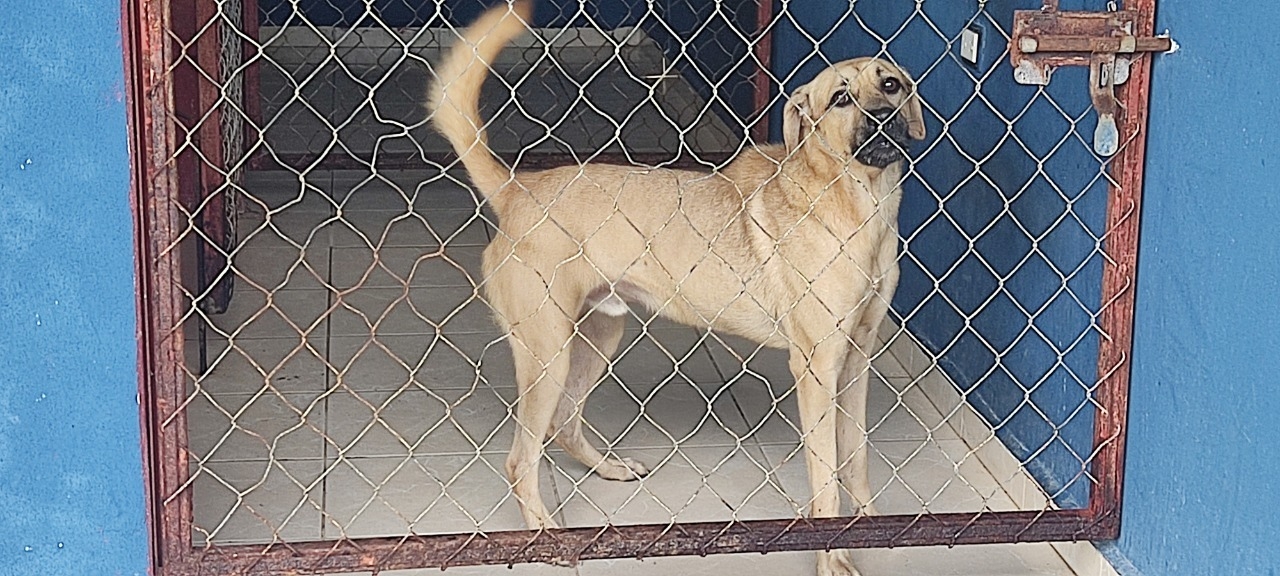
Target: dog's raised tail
x: 454, y: 97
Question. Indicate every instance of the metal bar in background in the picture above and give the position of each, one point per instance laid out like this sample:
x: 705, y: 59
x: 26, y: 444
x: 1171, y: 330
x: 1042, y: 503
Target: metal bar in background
x: 252, y: 76
x: 762, y: 77
x: 211, y: 203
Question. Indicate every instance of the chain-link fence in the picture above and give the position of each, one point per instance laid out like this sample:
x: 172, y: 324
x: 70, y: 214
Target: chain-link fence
x: 337, y: 368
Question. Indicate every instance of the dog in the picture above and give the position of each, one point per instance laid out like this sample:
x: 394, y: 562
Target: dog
x: 792, y: 246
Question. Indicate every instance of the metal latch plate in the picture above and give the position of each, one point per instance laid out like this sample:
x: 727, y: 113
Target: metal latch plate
x: 1043, y: 40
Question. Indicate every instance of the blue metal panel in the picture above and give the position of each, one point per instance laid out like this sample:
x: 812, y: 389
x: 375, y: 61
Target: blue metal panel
x: 70, y: 471
x: 1201, y: 494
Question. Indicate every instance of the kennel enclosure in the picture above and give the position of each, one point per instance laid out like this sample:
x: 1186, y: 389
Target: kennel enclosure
x: 299, y: 223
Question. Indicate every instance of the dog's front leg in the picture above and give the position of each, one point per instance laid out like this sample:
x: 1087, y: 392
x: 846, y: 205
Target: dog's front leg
x: 816, y: 365
x: 853, y: 447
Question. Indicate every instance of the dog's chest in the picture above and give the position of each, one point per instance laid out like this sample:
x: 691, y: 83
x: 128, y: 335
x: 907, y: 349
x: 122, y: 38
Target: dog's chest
x: 840, y: 256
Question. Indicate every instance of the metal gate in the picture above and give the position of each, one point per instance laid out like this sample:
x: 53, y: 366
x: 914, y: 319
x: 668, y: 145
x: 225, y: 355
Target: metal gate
x: 341, y: 410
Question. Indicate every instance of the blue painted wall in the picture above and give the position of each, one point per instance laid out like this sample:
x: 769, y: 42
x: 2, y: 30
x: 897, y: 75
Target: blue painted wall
x: 1012, y: 270
x: 1201, y: 494
x: 70, y: 471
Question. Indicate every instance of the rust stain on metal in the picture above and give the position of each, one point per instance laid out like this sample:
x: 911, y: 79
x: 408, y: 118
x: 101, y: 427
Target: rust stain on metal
x: 1044, y: 39
x: 1118, y: 285
x: 645, y: 540
x: 252, y: 75
x: 160, y: 298
x: 1091, y: 44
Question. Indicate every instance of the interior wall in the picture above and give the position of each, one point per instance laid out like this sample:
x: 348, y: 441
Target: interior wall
x: 406, y: 13
x: 706, y: 41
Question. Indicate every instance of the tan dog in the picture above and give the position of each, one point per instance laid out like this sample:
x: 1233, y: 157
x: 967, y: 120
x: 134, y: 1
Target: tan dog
x: 791, y: 246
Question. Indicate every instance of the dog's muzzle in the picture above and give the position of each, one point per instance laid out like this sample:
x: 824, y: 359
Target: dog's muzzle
x: 883, y: 138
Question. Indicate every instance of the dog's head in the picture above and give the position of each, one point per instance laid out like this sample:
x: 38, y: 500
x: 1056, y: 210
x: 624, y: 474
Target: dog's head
x: 865, y: 109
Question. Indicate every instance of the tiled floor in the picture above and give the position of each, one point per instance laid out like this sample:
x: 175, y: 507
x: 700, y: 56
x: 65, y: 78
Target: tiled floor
x: 357, y: 387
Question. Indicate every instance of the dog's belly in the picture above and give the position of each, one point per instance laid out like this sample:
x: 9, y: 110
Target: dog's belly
x: 745, y: 318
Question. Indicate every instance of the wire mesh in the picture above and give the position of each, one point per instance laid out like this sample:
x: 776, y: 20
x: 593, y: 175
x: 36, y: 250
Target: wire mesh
x: 355, y: 393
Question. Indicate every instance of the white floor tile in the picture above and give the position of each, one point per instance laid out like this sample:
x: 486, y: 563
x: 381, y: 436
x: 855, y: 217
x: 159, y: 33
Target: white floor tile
x: 266, y: 262
x: 366, y: 497
x: 657, y: 356
x: 381, y: 311
x: 895, y: 411
x: 247, y: 365
x: 691, y: 484
x: 397, y: 266
x: 908, y: 476
x: 256, y: 502
x: 256, y: 427
x: 286, y: 189
x: 428, y: 190
x: 438, y: 361
x: 279, y: 314
x: 410, y: 228
x: 739, y: 358
x: 979, y: 560
x: 663, y: 416
x: 1037, y: 559
x: 418, y: 421
x: 391, y: 311
x: 303, y: 226
x: 910, y: 354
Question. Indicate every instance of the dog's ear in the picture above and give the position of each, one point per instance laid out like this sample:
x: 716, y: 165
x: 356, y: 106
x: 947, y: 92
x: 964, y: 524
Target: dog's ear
x: 914, y: 114
x: 797, y: 119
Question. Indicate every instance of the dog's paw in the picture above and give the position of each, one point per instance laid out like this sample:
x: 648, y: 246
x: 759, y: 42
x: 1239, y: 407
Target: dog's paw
x: 622, y: 469
x: 539, y: 520
x: 836, y: 563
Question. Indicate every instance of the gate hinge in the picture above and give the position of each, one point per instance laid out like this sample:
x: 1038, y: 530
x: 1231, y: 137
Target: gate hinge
x: 1104, y: 41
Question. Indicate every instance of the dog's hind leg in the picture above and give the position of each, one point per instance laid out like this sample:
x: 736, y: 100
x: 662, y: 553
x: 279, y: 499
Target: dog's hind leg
x: 593, y: 348
x: 540, y: 344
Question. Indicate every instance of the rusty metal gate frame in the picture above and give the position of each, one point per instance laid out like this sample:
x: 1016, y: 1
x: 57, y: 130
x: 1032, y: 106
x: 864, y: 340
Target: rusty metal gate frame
x: 156, y: 207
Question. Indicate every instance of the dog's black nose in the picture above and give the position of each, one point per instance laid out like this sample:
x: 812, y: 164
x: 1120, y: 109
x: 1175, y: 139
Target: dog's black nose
x: 882, y: 114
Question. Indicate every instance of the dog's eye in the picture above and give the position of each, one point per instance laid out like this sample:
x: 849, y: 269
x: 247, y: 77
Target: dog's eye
x: 890, y: 85
x: 841, y: 99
